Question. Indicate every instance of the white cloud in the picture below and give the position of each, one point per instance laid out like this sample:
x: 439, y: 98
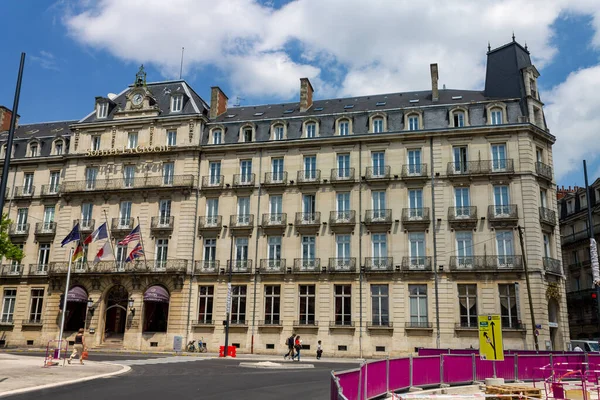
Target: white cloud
x: 46, y: 60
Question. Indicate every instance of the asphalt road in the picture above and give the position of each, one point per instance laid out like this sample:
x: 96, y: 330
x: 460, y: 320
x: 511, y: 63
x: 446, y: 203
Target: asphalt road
x: 207, y: 379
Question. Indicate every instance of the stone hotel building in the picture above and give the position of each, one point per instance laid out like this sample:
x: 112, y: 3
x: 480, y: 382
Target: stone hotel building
x: 375, y: 224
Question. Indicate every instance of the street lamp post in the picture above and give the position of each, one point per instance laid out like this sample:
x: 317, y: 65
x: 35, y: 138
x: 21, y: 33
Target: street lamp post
x: 229, y: 295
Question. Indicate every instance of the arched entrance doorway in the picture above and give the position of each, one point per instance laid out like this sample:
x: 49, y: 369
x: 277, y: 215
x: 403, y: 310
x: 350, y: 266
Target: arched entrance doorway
x: 115, y: 316
x: 76, y: 313
x: 553, y: 324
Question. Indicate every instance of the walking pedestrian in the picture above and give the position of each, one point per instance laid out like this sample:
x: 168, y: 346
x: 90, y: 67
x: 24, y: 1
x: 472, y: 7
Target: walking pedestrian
x: 297, y: 347
x: 290, y: 345
x: 78, y: 347
x: 319, y: 350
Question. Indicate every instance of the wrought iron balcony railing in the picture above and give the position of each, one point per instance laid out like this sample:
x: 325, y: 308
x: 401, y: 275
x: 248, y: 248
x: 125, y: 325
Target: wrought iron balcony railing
x: 239, y: 266
x: 38, y: 269
x: 503, y: 213
x: 272, y: 322
x: 308, y: 176
x: 462, y: 213
x: 306, y: 322
x: 12, y: 270
x: 121, y: 224
x: 415, y: 217
x: 20, y: 192
x: 85, y: 225
x: 212, y: 182
x: 480, y: 167
x: 308, y: 218
x: 162, y: 222
x: 466, y: 325
x: 381, y: 216
x: 51, y: 190
x: 203, y: 322
x: 552, y: 266
x: 276, y: 178
x: 207, y: 267
x: 342, y: 175
x: 32, y: 322
x: 416, y: 264
x: 146, y: 182
x: 271, y: 266
x: 378, y: 173
x: 418, y: 325
x: 274, y: 220
x: 379, y: 324
x: 210, y: 222
x: 342, y: 264
x: 307, y: 265
x: 341, y: 323
x: 243, y: 180
x: 414, y: 171
x: 347, y: 217
x: 19, y: 230
x: 121, y: 267
x: 241, y: 221
x: 486, y: 263
x: 379, y: 264
x: 547, y: 216
x: 45, y: 228
x: 543, y: 170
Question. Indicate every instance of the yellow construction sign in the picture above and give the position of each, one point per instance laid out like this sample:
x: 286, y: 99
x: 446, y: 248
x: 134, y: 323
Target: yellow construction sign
x: 490, y: 338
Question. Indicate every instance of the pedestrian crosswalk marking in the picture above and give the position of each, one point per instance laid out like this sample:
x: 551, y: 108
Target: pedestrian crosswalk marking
x: 161, y: 360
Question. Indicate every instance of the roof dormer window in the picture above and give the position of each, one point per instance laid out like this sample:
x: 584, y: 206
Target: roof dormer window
x: 247, y: 134
x: 177, y: 103
x: 102, y: 110
x: 496, y: 114
x: 33, y: 150
x: 58, y: 148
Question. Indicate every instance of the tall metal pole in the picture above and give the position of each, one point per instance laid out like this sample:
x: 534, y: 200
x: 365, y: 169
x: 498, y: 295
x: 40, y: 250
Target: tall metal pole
x: 435, y: 267
x: 360, y: 270
x: 142, y: 243
x: 64, y: 308
x: 254, y: 288
x: 229, y: 295
x: 110, y: 240
x: 11, y: 133
x: 535, y: 338
x: 593, y: 248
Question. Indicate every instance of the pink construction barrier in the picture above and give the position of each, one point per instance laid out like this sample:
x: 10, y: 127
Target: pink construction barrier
x: 458, y: 368
x: 529, y: 367
x: 349, y: 381
x: 399, y: 374
x: 426, y: 371
x: 504, y: 369
x: 376, y: 378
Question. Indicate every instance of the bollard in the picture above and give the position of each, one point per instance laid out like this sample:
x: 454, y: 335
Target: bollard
x: 411, y: 371
x: 474, y: 367
x: 387, y: 374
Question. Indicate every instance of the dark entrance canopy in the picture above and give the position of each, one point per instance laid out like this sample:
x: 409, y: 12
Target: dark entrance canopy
x: 156, y: 294
x: 77, y: 294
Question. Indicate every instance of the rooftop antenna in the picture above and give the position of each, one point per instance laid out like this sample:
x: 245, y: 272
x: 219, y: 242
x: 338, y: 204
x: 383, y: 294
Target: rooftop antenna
x: 181, y: 66
x: 489, y: 47
x: 513, y: 36
x: 237, y: 101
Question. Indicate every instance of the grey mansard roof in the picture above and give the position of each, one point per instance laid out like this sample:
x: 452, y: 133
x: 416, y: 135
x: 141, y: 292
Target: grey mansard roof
x: 161, y: 92
x: 44, y: 133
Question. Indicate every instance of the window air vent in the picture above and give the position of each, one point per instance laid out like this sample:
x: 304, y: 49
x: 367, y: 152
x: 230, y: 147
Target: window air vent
x: 288, y: 111
x: 319, y: 109
x: 348, y: 106
x: 456, y: 97
x: 380, y: 103
x: 258, y: 114
x: 379, y: 348
x: 414, y: 101
x: 270, y: 346
x: 342, y: 348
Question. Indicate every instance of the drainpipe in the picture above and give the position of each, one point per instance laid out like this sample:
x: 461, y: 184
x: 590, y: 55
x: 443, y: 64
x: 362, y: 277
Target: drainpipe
x: 256, y: 252
x: 194, y: 233
x: 360, y: 270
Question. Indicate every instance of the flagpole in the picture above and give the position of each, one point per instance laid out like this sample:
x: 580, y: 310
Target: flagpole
x: 110, y: 240
x: 64, y: 308
x: 142, y: 243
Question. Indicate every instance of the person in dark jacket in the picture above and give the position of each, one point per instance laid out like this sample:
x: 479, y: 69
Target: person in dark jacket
x: 290, y: 345
x: 78, y: 347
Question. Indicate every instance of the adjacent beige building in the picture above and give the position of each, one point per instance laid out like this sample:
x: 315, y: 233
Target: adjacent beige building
x: 321, y: 211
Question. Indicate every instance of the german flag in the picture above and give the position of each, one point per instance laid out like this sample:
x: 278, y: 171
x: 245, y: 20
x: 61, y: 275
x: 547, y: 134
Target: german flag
x: 78, y: 253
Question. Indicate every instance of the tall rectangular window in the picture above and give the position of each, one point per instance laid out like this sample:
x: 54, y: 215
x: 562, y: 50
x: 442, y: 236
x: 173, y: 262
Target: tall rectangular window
x: 125, y: 214
x: 205, y: 304
x: 343, y: 250
x: 464, y: 248
x: 308, y: 251
x: 415, y: 203
x: 277, y: 170
x: 58, y: 148
x: 177, y: 103
x: 418, y: 305
x: 461, y: 161
x: 8, y: 305
x: 272, y: 304
x: 28, y: 184
x: 43, y: 257
x: 413, y: 123
x: 380, y: 314
x: 33, y: 150
x: 343, y: 166
x: 37, y: 302
x: 311, y: 130
x: 246, y: 171
x: 86, y: 215
x: 90, y: 177
x: 278, y: 132
x: 162, y: 248
x: 343, y: 301
x: 416, y: 247
x: 171, y: 138
x: 241, y: 254
x: 308, y: 207
x: 307, y: 304
x: 120, y: 257
x: 343, y: 206
x: 243, y: 210
x: 310, y: 168
x: 168, y: 173
x: 343, y: 127
x: 214, y: 170
x: 247, y: 135
x: 49, y: 213
x: 501, y: 201
x: 459, y: 119
x: 128, y: 176
x: 212, y: 211
x: 379, y: 241
x: 467, y: 302
x: 509, y: 309
x: 132, y: 140
x: 274, y: 250
x: 498, y: 157
x: 379, y: 205
x: 414, y: 161
x: 102, y: 111
x: 96, y: 142
x: 377, y: 125
x: 54, y: 186
x: 210, y: 250
x: 164, y: 212
x: 504, y: 244
x: 275, y: 209
x: 462, y: 202
x: 216, y: 136
x: 238, y: 304
x: 496, y: 116
x: 378, y: 163
x: 22, y: 214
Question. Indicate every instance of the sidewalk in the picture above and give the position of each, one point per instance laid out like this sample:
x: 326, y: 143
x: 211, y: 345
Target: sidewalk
x: 20, y: 373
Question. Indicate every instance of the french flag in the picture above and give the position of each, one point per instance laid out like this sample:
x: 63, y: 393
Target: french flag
x: 104, y: 252
x: 100, y: 233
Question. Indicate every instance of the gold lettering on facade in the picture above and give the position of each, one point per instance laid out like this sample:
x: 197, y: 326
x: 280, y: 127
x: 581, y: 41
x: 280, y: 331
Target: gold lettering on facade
x: 124, y: 150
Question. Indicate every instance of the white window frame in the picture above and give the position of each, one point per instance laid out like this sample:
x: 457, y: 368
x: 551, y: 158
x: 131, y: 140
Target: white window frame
x: 102, y: 110
x: 217, y: 136
x: 96, y: 142
x: 171, y: 138
x: 419, y: 315
x: 380, y: 304
x: 177, y: 103
x: 36, y: 305
x: 9, y: 299
x: 132, y: 140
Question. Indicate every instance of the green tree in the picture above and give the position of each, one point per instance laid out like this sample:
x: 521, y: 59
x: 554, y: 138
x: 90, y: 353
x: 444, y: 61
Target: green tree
x: 7, y: 248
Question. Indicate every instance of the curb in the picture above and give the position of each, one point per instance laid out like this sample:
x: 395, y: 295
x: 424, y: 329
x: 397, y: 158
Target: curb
x: 277, y: 366
x: 124, y: 369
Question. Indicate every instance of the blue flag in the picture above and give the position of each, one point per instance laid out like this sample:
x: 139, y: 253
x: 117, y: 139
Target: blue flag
x: 72, y: 236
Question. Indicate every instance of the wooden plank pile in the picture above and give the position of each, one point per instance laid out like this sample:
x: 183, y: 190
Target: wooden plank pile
x: 513, y: 392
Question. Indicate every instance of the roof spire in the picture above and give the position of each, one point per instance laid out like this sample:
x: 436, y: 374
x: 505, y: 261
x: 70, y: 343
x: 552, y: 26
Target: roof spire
x: 513, y: 36
x: 526, y: 46
x: 489, y: 46
x: 140, y: 77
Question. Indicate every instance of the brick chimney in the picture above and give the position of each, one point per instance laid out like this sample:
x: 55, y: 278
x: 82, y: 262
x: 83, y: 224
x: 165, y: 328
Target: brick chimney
x: 306, y: 94
x: 5, y: 116
x: 435, y: 95
x: 218, y: 102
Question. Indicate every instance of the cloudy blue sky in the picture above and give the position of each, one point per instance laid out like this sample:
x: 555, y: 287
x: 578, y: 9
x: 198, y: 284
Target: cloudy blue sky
x: 258, y: 50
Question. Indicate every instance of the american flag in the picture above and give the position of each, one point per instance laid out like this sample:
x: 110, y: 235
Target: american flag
x: 133, y: 235
x: 137, y: 252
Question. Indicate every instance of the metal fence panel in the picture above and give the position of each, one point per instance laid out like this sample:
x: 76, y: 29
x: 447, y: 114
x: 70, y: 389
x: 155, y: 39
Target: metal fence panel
x: 376, y: 383
x: 399, y: 374
x: 530, y: 367
x: 458, y: 368
x: 349, y: 382
x: 504, y: 369
x: 426, y: 371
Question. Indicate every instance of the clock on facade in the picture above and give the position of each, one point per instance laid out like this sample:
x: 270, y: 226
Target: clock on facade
x: 137, y: 99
